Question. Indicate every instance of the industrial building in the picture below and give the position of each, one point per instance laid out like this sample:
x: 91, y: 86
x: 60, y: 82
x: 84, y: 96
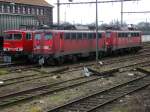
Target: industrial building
x: 15, y: 14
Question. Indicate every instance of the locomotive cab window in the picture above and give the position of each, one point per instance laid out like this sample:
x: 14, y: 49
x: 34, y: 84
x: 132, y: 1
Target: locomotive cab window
x: 37, y: 36
x: 94, y: 35
x: 119, y: 34
x: 73, y: 36
x: 8, y: 37
x: 129, y: 35
x: 124, y: 35
x: 108, y: 34
x: 84, y: 35
x: 67, y: 35
x: 79, y: 35
x: 133, y: 34
x: 138, y: 34
x: 28, y: 36
x: 48, y: 36
x: 17, y: 36
x: 13, y: 37
x: 90, y: 35
x: 99, y: 35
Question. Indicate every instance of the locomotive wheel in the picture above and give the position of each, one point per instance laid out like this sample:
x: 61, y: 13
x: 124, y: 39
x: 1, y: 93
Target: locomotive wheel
x: 116, y: 53
x: 74, y: 59
x: 91, y: 57
x: 134, y: 50
x: 101, y: 55
x: 34, y: 60
x: 60, y: 60
x: 121, y: 52
x: 51, y: 61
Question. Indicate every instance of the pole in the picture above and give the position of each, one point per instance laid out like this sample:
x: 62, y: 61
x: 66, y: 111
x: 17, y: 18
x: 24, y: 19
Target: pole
x: 97, y: 32
x: 58, y: 13
x: 121, y: 12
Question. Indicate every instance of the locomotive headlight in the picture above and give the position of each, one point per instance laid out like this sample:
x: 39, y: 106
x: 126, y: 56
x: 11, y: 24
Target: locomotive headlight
x: 19, y: 49
x: 4, y: 49
x: 37, y: 47
x: 106, y: 43
x: 46, y: 47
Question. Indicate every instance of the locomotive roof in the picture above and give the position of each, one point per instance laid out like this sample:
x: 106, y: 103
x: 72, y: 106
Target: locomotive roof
x: 68, y: 31
x: 71, y: 31
x: 18, y: 31
x: 30, y: 2
x: 124, y: 31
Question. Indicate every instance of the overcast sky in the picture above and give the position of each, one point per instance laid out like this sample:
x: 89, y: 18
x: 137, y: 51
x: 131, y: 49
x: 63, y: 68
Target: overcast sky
x: 106, y: 12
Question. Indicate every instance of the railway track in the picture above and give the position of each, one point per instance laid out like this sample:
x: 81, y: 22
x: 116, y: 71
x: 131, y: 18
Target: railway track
x: 100, y: 98
x: 146, y: 44
x: 26, y: 78
x: 7, y: 65
x: 126, y: 58
x: 15, y: 97
x: 117, y: 67
x: 108, y: 61
x: 66, y: 69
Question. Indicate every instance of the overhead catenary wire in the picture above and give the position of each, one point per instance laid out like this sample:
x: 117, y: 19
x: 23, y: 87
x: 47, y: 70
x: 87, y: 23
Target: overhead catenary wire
x: 139, y: 12
x: 92, y: 2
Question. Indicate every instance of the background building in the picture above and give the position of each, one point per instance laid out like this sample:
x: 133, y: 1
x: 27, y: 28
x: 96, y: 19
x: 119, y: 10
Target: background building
x: 16, y: 14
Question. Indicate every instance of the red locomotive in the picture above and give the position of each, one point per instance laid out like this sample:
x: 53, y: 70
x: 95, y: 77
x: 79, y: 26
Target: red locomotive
x: 61, y: 44
x: 123, y: 40
x: 58, y: 45
x: 18, y: 42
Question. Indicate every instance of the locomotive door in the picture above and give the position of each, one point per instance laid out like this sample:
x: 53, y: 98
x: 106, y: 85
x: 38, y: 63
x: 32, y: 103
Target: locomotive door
x: 38, y: 43
x: 61, y: 42
x: 28, y: 41
x: 108, y: 40
x: 129, y: 39
x: 48, y: 42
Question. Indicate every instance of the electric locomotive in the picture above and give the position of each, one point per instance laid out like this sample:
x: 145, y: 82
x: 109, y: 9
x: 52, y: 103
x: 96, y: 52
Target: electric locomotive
x: 18, y: 43
x: 59, y: 45
x: 55, y: 46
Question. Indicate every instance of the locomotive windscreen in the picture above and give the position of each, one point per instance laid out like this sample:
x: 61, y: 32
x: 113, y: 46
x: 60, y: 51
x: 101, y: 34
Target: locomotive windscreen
x: 48, y: 36
x: 13, y: 37
x: 38, y: 36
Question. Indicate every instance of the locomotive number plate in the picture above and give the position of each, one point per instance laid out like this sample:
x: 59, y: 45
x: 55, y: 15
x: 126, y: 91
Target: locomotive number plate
x: 7, y: 59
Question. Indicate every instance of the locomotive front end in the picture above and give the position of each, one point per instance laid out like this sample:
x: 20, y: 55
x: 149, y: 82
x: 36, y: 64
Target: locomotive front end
x: 13, y: 43
x: 43, y: 46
